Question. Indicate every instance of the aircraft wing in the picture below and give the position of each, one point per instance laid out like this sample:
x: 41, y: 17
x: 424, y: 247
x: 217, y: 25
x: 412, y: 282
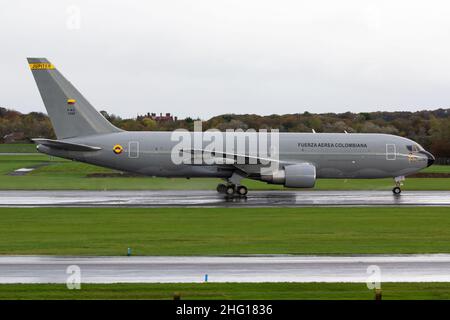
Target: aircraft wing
x: 63, y: 145
x: 231, y: 159
x: 228, y: 158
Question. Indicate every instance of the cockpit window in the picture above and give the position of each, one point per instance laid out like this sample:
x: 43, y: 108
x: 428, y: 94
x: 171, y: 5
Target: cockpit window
x: 413, y: 148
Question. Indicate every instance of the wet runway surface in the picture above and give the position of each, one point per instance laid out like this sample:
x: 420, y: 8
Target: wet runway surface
x: 401, y: 268
x: 207, y: 198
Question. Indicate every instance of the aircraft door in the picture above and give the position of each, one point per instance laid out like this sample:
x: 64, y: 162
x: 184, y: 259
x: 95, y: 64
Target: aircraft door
x: 133, y: 149
x: 391, y: 152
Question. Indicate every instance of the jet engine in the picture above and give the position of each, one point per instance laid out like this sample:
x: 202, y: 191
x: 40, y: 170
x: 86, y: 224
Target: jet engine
x: 301, y: 175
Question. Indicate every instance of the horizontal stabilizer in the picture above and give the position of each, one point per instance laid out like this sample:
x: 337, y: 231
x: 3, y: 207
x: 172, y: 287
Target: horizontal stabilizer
x: 58, y: 144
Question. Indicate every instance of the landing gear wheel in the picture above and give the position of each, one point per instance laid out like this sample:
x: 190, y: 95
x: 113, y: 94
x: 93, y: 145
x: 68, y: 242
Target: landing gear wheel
x: 242, y: 190
x: 396, y: 190
x: 229, y: 190
x: 221, y: 188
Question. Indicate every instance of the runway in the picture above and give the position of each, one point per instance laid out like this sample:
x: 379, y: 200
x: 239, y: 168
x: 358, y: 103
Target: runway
x: 202, y: 198
x: 401, y: 268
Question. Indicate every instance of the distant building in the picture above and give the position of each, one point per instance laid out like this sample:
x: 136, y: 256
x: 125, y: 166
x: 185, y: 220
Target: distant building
x: 161, y: 117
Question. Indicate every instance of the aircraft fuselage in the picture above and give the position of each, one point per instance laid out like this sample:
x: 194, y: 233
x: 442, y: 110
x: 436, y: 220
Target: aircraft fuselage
x: 335, y: 155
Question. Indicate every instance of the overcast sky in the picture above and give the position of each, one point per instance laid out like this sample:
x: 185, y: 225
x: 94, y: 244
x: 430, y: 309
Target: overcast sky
x: 208, y: 57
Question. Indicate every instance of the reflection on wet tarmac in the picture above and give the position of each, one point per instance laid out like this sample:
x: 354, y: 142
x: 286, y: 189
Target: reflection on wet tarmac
x: 202, y: 198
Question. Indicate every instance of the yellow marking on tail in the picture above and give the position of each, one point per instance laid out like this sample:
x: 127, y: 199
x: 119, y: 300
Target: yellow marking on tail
x: 41, y: 66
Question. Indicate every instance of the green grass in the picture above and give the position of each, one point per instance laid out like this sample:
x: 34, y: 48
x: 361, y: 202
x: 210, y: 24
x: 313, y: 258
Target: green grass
x: 192, y: 291
x: 437, y: 169
x: 64, y: 174
x: 18, y: 148
x: 224, y: 231
x: 12, y: 162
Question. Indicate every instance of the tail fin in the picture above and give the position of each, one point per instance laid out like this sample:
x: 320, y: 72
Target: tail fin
x: 70, y: 113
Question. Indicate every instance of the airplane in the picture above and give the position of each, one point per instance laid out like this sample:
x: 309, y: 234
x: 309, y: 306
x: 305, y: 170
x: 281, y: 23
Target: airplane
x: 84, y: 135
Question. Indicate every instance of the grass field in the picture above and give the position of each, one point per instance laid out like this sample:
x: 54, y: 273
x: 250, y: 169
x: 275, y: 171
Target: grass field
x: 208, y: 231
x: 223, y: 231
x: 63, y: 174
x: 437, y: 169
x: 18, y: 148
x: 191, y: 291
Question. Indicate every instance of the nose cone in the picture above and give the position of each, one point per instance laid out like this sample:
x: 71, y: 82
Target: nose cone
x: 430, y: 158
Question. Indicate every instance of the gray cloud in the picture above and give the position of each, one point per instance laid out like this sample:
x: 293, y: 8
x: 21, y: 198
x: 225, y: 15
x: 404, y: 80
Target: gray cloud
x: 207, y: 57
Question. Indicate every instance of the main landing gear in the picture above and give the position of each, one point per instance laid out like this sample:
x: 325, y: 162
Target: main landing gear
x: 233, y: 186
x: 398, y: 183
x: 232, y: 189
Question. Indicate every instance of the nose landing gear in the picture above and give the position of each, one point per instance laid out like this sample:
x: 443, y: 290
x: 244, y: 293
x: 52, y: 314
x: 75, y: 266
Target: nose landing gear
x: 396, y: 190
x: 398, y: 183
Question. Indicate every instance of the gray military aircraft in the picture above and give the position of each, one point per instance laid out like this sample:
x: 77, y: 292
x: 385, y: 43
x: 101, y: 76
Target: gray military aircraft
x: 83, y: 134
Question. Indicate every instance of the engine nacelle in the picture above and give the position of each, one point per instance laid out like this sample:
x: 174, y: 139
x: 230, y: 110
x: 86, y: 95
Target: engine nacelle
x: 301, y: 175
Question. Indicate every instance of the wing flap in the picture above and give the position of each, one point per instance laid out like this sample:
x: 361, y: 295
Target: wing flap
x: 225, y: 158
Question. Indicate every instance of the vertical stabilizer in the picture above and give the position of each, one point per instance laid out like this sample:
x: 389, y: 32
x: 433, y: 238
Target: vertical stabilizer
x: 70, y: 113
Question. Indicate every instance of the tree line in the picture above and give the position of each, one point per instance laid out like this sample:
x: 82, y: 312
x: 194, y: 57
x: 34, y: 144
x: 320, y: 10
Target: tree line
x: 430, y: 128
